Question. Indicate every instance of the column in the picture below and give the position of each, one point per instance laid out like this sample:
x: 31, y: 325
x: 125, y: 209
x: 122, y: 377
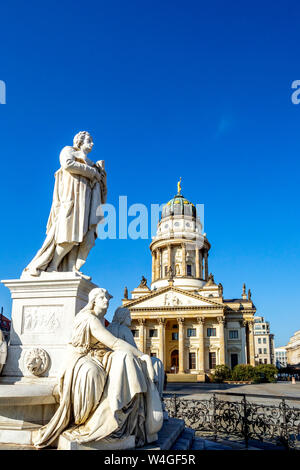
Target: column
x: 243, y: 342
x: 157, y: 263
x: 206, y: 265
x: 142, y: 334
x: 200, y: 321
x: 161, y: 328
x: 169, y: 257
x: 181, y: 344
x: 197, y: 263
x: 153, y: 266
x: 183, y: 249
x: 201, y: 264
x: 251, y: 342
x: 221, y: 321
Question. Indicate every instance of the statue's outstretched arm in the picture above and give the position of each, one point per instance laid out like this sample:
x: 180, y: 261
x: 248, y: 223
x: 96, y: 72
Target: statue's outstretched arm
x: 104, y: 336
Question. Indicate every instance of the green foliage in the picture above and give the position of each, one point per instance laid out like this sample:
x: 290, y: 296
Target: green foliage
x: 221, y: 373
x: 243, y: 372
x: 261, y: 373
x: 265, y: 373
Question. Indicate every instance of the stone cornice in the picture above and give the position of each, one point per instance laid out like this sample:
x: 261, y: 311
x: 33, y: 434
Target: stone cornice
x: 178, y: 308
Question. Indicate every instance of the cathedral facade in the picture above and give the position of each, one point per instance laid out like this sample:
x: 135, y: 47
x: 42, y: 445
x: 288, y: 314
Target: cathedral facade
x: 183, y: 317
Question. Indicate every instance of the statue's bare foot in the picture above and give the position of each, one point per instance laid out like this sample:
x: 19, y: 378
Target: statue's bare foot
x: 83, y: 276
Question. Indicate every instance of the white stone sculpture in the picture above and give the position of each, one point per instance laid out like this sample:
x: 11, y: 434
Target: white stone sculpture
x: 120, y: 327
x: 79, y: 190
x: 171, y: 299
x: 106, y: 386
x: 3, y: 351
x: 36, y: 361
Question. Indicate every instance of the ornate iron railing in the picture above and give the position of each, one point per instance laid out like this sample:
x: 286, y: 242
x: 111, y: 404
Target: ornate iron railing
x: 279, y: 423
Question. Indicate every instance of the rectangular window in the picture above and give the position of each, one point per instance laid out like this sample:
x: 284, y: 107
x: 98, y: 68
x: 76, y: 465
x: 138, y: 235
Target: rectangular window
x: 265, y: 340
x: 211, y: 332
x: 135, y: 333
x: 153, y: 334
x: 189, y: 269
x: 212, y: 360
x: 191, y: 332
x: 266, y: 361
x: 174, y: 336
x: 192, y: 360
x: 259, y: 351
x: 259, y: 340
x: 233, y: 334
x: 265, y: 350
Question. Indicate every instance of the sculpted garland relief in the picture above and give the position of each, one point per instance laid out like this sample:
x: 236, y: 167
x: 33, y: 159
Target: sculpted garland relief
x: 41, y: 319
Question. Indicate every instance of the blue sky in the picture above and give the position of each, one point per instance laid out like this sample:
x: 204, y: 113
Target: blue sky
x: 195, y: 89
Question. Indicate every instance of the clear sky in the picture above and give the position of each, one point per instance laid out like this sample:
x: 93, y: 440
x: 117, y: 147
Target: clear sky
x: 167, y: 88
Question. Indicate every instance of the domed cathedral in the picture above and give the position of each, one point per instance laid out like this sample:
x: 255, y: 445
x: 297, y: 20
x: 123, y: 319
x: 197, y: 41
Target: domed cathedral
x: 183, y: 317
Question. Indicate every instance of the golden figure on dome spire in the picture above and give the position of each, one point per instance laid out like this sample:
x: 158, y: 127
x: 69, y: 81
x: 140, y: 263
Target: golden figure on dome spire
x: 179, y: 187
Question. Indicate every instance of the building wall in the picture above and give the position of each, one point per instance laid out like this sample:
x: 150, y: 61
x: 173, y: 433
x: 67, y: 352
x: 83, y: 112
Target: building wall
x: 293, y: 349
x: 280, y: 357
x: 222, y: 347
x: 264, y: 342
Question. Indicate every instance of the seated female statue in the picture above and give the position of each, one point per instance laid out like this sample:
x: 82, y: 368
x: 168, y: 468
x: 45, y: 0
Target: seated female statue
x: 106, y: 385
x: 120, y: 327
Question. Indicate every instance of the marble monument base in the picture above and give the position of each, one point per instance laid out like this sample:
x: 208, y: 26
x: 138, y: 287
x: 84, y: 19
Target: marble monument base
x: 25, y: 407
x: 125, y: 443
x: 43, y: 310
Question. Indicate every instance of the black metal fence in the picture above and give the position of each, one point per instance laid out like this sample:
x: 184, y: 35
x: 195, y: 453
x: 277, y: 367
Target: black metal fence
x: 278, y: 424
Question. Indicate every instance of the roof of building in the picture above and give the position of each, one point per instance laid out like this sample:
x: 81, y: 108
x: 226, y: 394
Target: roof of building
x: 4, y: 318
x: 178, y: 205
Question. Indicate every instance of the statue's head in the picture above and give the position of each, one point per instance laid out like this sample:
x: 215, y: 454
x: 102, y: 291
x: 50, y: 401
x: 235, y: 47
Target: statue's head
x: 98, y: 301
x: 122, y: 316
x: 83, y: 141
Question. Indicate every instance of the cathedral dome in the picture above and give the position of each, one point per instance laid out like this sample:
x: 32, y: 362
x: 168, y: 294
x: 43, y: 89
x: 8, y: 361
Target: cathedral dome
x: 179, y: 205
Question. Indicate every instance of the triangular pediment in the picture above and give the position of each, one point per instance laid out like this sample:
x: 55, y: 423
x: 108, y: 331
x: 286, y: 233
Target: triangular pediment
x: 170, y: 297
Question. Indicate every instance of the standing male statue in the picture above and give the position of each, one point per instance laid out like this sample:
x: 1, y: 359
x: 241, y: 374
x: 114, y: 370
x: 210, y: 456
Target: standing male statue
x: 79, y: 190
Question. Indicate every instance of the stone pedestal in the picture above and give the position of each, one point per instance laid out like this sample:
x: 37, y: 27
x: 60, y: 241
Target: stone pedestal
x: 43, y: 309
x: 125, y: 443
x: 25, y: 407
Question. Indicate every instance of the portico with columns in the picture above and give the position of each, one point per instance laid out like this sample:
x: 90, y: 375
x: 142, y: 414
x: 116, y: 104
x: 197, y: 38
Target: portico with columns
x: 183, y: 318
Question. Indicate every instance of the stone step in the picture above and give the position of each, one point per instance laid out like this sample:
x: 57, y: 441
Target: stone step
x: 167, y: 436
x: 205, y: 444
x: 185, y: 440
x: 200, y: 443
x: 236, y: 445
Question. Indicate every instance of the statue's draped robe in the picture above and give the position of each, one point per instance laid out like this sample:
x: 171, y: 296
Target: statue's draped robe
x: 75, y: 207
x: 123, y: 332
x: 103, y: 393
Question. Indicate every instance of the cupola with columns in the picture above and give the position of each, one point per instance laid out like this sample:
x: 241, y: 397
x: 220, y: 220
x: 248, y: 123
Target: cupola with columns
x: 179, y: 249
